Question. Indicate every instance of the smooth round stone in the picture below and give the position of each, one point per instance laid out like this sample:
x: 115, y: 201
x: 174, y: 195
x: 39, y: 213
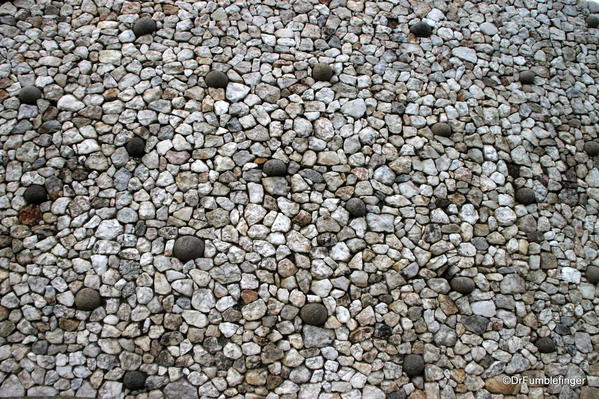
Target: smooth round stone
x: 525, y: 196
x: 88, y: 299
x: 527, y: 77
x: 593, y: 274
x: 135, y: 380
x: 30, y: 95
x: 593, y: 21
x: 136, y: 147
x: 545, y: 345
x: 144, y: 26
x: 463, y: 285
x: 322, y: 72
x: 35, y: 194
x: 441, y: 129
x: 591, y: 148
x: 187, y: 248
x: 413, y: 365
x: 217, y: 79
x: 274, y: 167
x: 421, y: 29
x: 315, y: 314
x: 356, y: 207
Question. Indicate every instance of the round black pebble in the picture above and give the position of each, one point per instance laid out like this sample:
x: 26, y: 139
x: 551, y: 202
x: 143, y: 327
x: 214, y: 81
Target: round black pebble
x: 187, y: 248
x: 441, y: 129
x: 88, y: 299
x: 591, y: 148
x: 525, y: 196
x: 135, y: 380
x: 274, y: 167
x: 421, y: 29
x: 545, y: 345
x: 356, y: 207
x: 217, y: 79
x: 144, y: 26
x: 413, y: 365
x: 593, y: 274
x: 136, y: 147
x: 593, y: 21
x: 30, y: 95
x: 315, y: 314
x: 322, y: 72
x: 35, y: 194
x: 527, y: 77
x: 463, y: 285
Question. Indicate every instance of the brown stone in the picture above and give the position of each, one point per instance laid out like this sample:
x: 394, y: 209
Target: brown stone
x: 361, y: 334
x: 30, y: 214
x: 589, y: 393
x: 68, y: 324
x: 248, y: 296
x: 447, y: 305
x: 256, y: 377
x: 496, y: 385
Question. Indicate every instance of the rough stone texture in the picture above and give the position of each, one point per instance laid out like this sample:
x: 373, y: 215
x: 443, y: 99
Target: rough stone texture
x: 88, y: 299
x: 315, y: 314
x: 35, y: 194
x: 144, y: 26
x: 545, y: 345
x: 188, y: 248
x: 274, y: 167
x: 525, y: 196
x: 228, y: 322
x: 441, y: 129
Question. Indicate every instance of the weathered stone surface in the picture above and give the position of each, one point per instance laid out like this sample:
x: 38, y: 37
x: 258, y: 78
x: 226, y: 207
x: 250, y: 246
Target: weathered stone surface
x: 499, y: 386
x: 134, y: 380
x: 591, y: 148
x: 545, y: 345
x: 527, y: 77
x: 441, y: 129
x: 274, y: 167
x: 525, y: 196
x: 187, y: 248
x: 593, y: 274
x: 593, y: 21
x: 136, y: 147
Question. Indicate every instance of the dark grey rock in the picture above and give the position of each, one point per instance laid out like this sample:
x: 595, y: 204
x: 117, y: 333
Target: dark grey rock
x: 527, y: 77
x: 545, y: 345
x: 548, y: 260
x: 35, y: 194
x: 322, y: 72
x: 88, y: 299
x: 30, y: 95
x: 135, y: 380
x: 136, y: 147
x: 315, y: 314
x: 356, y: 207
x: 593, y: 21
x: 463, y: 285
x: 421, y: 29
x: 413, y: 365
x: 180, y: 390
x: 476, y: 324
x: 216, y: 79
x: 591, y: 148
x: 441, y: 129
x: 525, y: 196
x: 274, y: 167
x: 187, y: 248
x: 593, y: 274
x: 397, y: 395
x: 144, y: 26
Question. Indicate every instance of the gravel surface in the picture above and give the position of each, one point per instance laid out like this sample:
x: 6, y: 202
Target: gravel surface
x: 307, y: 199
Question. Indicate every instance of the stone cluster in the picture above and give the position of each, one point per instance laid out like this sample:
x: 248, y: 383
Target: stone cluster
x: 307, y: 199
